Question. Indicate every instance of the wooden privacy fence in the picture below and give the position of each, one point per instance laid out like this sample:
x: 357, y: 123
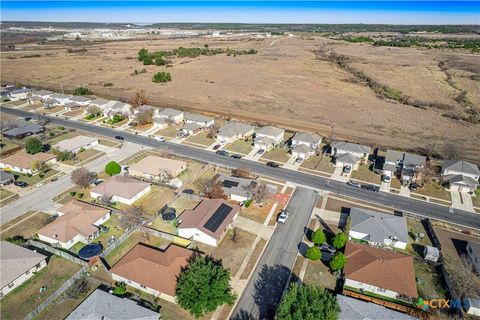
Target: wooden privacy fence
x: 58, y: 252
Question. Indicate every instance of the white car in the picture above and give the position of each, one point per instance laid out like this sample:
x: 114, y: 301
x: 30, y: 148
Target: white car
x: 161, y: 139
x: 282, y: 218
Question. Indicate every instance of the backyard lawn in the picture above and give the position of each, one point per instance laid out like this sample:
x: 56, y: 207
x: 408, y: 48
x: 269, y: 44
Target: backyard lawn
x: 180, y: 204
x: 429, y: 285
x: 240, y: 146
x: 319, y: 163
x: 26, y: 228
x: 415, y: 227
x: 257, y: 213
x: 201, y: 138
x: 25, y: 298
x: 277, y: 155
x: 434, y: 189
x: 363, y: 173
x: 114, y: 229
x: 155, y: 199
x: 193, y: 168
x: 6, y: 145
x: 170, y: 132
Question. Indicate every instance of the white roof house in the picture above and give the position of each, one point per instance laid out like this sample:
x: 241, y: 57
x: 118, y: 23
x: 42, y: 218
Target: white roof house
x: 199, y: 119
x: 43, y: 94
x: 460, y: 175
x: 301, y: 151
x: 232, y: 131
x: 99, y: 102
x: 311, y: 140
x: 268, y: 136
x: 76, y: 143
x: 60, y: 97
x: 81, y: 100
x: 172, y: 114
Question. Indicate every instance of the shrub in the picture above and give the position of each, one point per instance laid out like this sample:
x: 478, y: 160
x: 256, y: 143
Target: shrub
x: 112, y: 168
x: 160, y: 77
x: 147, y: 61
x: 116, y: 118
x: 79, y: 195
x: 82, y: 91
x: 108, y: 84
x: 160, y: 62
x: 51, y: 134
x: 318, y: 237
x: 248, y: 203
x: 339, y: 240
x: 33, y: 145
x: 61, y: 128
x: 338, y: 261
x: 120, y: 289
x: 72, y: 193
x: 313, y: 253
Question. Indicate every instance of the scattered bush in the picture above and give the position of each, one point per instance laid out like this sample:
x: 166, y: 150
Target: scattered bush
x: 313, y: 253
x: 72, y: 193
x: 82, y: 91
x: 160, y: 77
x: 120, y: 289
x: 108, y: 84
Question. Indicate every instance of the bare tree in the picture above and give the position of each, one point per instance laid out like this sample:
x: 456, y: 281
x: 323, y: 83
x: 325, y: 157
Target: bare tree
x: 233, y: 233
x: 144, y: 116
x: 82, y: 177
x: 165, y: 176
x: 203, y: 185
x: 451, y: 151
x: 139, y: 99
x: 105, y: 199
x: 242, y: 172
x: 133, y: 217
x: 79, y: 287
x: 261, y: 193
x: 216, y: 191
x: 41, y: 118
x: 41, y: 166
x: 212, y: 132
x: 93, y: 110
x: 426, y: 174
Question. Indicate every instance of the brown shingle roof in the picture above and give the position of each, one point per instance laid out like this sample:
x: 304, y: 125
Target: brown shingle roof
x: 380, y: 268
x: 198, y: 217
x: 121, y: 187
x: 15, y: 261
x: 153, y: 268
x: 155, y: 165
x: 24, y: 160
x: 78, y: 218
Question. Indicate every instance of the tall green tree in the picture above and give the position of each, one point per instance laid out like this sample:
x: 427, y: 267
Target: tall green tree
x: 112, y: 168
x: 338, y: 261
x: 302, y: 302
x: 313, y: 253
x: 33, y: 145
x: 203, y: 286
x: 339, y: 240
x: 318, y: 237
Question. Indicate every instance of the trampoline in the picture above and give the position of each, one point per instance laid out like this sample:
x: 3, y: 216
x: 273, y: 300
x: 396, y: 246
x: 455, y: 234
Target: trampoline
x: 168, y: 214
x: 90, y: 250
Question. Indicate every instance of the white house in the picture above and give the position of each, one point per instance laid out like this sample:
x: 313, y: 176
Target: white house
x: 459, y: 175
x: 71, y: 106
x: 232, y: 131
x: 18, y: 264
x: 349, y: 154
x: 116, y: 107
x: 61, y: 98
x: 76, y: 144
x: 40, y: 94
x: 77, y: 222
x: 19, y: 94
x: 199, y: 120
x: 173, y: 115
x: 22, y: 162
x: 302, y: 151
x: 81, y: 100
x: 121, y: 189
x: 311, y: 140
x: 268, y: 137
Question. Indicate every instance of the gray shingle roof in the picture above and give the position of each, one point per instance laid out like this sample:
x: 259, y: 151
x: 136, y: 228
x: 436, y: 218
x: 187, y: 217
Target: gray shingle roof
x: 170, y: 113
x: 307, y: 137
x: 99, y: 102
x: 42, y: 92
x: 347, y: 158
x: 192, y: 126
x: 379, y: 226
x: 6, y: 176
x: 16, y: 260
x: 79, y: 99
x: 59, y: 96
x: 28, y: 128
x: 394, y: 156
x: 264, y: 140
x: 461, y: 166
x: 101, y: 305
x: 197, y: 117
x: 353, y: 309
x: 350, y: 147
x: 234, y: 128
x: 301, y: 148
x: 269, y: 131
x: 461, y: 179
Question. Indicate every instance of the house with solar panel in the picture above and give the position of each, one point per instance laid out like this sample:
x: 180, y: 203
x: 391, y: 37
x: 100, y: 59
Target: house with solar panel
x: 208, y: 222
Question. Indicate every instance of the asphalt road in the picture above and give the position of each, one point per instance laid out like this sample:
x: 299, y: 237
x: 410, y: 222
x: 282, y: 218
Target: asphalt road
x: 265, y: 288
x: 400, y: 203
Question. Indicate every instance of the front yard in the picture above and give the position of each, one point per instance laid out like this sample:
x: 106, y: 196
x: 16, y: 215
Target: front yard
x: 170, y: 132
x: 26, y: 228
x: 34, y: 179
x: 62, y: 137
x: 363, y: 173
x: 5, y: 195
x: 25, y: 298
x: 74, y: 113
x: 240, y: 146
x: 54, y: 109
x: 82, y: 157
x: 142, y: 127
x: 257, y: 213
x: 276, y: 154
x: 434, y: 189
x: 201, y: 138
x: 318, y: 273
x: 319, y: 163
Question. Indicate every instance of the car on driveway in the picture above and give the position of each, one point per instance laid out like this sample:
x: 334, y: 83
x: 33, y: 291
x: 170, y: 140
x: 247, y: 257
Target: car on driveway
x: 21, y: 184
x: 261, y: 151
x: 283, y: 216
x: 222, y: 152
x: 370, y: 187
x: 217, y: 146
x: 386, y: 179
x: 273, y: 164
x: 161, y: 139
x: 236, y: 156
x: 299, y: 160
x: 354, y: 184
x: 413, y: 186
x: 347, y: 169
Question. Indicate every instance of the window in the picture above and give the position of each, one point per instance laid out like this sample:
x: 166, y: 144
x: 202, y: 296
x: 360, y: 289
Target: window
x: 143, y: 286
x: 37, y: 266
x: 11, y: 285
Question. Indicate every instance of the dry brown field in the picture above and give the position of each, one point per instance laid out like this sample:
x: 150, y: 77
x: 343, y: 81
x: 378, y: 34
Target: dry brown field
x: 285, y: 84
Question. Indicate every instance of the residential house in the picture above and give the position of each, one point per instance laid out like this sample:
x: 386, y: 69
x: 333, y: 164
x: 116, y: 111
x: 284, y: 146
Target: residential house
x: 301, y: 151
x: 71, y: 106
x: 117, y: 107
x: 40, y: 94
x: 192, y: 128
x: 101, y: 305
x: 161, y: 123
x: 76, y: 144
x: 101, y: 103
x: 6, y: 178
x: 5, y: 91
x: 175, y: 116
x: 460, y: 175
x: 77, y: 222
x: 381, y: 272
x: 199, y: 120
x: 51, y: 103
x: 121, y: 189
x: 18, y: 264
x: 208, y: 222
x: 472, y: 305
x: 268, y: 137
x: 354, y: 309
x: 311, y: 140
x: 151, y: 270
x: 402, y: 164
x: 349, y: 154
x: 61, y: 98
x: 81, y: 100
x: 22, y: 162
x: 473, y: 255
x: 23, y: 131
x: 232, y: 131
x: 378, y: 229
x: 157, y: 168
x: 236, y: 188
x: 19, y: 94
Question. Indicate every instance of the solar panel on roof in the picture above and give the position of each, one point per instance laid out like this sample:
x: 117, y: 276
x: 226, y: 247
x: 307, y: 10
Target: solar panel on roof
x: 230, y: 184
x: 217, y: 218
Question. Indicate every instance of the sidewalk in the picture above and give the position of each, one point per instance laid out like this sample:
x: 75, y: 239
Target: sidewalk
x: 254, y: 227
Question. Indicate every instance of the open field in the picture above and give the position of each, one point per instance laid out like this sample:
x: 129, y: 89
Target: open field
x: 285, y: 84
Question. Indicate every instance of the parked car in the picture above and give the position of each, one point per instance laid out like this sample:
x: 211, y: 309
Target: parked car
x: 97, y: 182
x: 370, y: 187
x: 215, y: 147
x: 161, y: 139
x: 273, y: 164
x: 21, y: 184
x: 222, y: 152
x: 354, y: 184
x: 283, y: 216
x: 328, y: 248
x: 347, y: 169
x: 236, y: 156
x: 261, y: 151
x: 413, y: 186
x: 386, y: 178
x: 299, y: 160
x: 119, y: 138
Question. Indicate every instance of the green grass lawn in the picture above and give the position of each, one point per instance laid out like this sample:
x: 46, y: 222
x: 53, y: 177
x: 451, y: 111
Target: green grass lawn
x: 77, y: 246
x: 18, y: 303
x: 34, y: 179
x: 319, y: 163
x: 363, y: 173
x: 165, y: 226
x: 240, y: 146
x: 116, y: 124
x: 115, y: 229
x: 5, y: 194
x: 201, y: 138
x: 415, y: 227
x: 89, y: 118
x: 318, y: 273
x: 6, y: 145
x: 277, y: 155
x: 62, y: 137
x: 155, y: 199
x: 434, y: 189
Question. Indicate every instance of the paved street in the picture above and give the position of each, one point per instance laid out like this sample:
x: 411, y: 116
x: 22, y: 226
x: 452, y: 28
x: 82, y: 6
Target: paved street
x: 268, y: 281
x: 422, y: 208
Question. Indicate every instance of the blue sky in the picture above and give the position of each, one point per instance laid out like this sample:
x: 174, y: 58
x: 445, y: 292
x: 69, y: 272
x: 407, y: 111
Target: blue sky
x: 390, y: 12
